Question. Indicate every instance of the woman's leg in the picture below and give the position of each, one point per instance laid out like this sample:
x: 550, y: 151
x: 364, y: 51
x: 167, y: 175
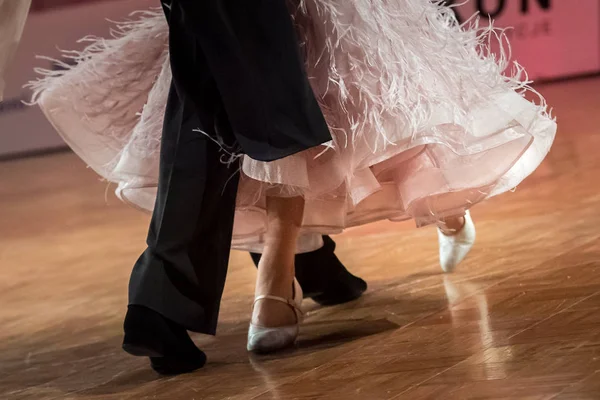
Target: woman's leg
x: 276, y: 268
x: 323, y: 277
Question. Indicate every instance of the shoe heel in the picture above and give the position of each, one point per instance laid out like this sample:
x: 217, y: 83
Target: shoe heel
x: 139, y: 345
x: 139, y: 339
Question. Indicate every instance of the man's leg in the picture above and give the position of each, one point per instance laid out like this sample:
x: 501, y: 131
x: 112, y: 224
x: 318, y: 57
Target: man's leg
x: 177, y: 283
x: 252, y: 50
x: 190, y: 231
x: 323, y: 277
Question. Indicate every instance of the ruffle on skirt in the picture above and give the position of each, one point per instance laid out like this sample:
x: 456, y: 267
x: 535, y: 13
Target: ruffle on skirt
x: 425, y: 119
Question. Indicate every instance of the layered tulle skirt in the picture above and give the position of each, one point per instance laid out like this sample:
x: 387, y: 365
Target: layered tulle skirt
x: 426, y: 119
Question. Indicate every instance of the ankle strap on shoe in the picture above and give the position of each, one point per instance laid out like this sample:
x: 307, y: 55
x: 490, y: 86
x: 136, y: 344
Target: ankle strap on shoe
x: 289, y: 302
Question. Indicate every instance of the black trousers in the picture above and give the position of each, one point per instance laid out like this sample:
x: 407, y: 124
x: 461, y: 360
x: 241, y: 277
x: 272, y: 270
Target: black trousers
x: 238, y: 78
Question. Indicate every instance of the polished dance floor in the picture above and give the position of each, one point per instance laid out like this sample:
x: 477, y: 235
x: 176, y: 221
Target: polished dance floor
x: 519, y: 319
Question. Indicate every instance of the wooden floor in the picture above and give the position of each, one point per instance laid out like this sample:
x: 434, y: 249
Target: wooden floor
x: 520, y: 319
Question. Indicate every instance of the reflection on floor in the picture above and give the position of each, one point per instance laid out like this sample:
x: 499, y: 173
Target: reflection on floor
x: 520, y: 319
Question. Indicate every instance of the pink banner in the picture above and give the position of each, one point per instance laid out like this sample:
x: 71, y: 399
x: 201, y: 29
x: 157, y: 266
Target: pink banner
x: 550, y: 38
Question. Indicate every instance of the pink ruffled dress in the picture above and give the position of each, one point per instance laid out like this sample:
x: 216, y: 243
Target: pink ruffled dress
x: 426, y: 120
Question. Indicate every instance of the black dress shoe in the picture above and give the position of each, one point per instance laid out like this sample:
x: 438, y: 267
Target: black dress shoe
x: 342, y: 289
x: 323, y: 277
x: 167, y: 344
